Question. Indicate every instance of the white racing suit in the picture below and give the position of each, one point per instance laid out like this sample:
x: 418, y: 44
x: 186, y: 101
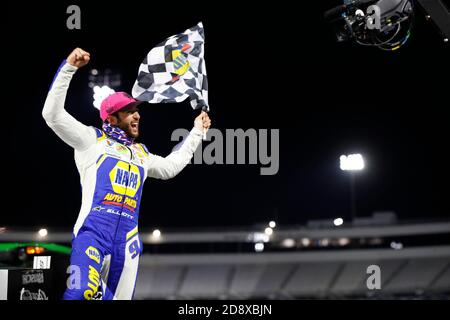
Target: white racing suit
x: 106, y: 245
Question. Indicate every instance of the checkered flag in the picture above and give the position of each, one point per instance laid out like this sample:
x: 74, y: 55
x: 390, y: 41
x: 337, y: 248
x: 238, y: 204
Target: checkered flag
x: 175, y: 70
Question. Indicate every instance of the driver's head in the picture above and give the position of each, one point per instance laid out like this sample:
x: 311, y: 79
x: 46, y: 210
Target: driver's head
x: 121, y: 110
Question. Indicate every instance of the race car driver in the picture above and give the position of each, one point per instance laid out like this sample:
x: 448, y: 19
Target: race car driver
x: 112, y: 167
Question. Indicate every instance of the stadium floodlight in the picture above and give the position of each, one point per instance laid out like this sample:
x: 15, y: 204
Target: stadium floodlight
x: 272, y: 224
x: 343, y: 241
x: 305, y: 242
x: 259, y: 247
x: 351, y: 162
x: 268, y: 231
x: 105, y: 77
x: 43, y: 233
x: 288, y: 243
x: 100, y: 93
x: 156, y: 233
x: 338, y: 222
x: 324, y: 242
x: 258, y: 237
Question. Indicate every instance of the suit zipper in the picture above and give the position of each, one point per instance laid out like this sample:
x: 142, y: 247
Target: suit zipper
x: 125, y: 193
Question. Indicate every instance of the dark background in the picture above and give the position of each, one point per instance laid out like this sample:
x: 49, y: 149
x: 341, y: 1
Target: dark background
x: 273, y: 66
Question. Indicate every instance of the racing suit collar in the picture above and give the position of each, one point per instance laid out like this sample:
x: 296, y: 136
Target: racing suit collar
x: 117, y: 134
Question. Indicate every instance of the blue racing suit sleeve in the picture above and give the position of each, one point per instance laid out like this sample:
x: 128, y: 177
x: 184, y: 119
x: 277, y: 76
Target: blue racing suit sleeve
x: 70, y: 130
x: 168, y: 167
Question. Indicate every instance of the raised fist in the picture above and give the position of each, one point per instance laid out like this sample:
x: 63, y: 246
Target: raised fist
x: 78, y: 58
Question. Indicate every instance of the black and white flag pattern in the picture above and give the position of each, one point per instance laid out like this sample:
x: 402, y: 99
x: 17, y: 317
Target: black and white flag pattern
x: 175, y: 70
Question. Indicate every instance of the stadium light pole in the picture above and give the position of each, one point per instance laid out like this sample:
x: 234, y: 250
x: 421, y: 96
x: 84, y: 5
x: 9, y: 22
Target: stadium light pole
x: 352, y: 163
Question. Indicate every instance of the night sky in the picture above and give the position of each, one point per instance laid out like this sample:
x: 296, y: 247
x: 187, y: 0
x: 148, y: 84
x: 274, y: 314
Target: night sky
x: 271, y: 67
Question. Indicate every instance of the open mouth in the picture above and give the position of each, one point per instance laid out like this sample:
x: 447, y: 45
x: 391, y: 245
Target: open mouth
x: 134, y: 125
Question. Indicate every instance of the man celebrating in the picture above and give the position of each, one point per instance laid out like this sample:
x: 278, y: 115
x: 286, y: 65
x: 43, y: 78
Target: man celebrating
x: 112, y: 167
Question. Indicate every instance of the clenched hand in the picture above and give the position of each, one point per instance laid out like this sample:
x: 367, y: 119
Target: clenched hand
x: 202, y: 122
x: 79, y: 58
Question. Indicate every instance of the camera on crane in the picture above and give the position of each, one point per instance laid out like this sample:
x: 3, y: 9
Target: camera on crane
x: 385, y: 24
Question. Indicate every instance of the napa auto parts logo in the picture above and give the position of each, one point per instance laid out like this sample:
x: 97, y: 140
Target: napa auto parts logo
x: 125, y: 178
x: 93, y: 253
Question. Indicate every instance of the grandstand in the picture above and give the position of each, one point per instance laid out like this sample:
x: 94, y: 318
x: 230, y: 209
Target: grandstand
x: 316, y: 261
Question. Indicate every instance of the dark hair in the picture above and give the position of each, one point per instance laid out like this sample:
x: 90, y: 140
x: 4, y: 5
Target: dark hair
x: 116, y: 114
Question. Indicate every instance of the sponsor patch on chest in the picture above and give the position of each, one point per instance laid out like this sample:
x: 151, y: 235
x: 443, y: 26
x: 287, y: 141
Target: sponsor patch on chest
x: 133, y: 154
x: 125, y: 178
